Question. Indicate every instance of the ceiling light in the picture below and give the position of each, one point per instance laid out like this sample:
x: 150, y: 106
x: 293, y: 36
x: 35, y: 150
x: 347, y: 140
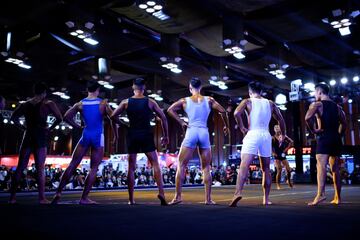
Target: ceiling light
x: 65, y: 97
x: 158, y: 98
x: 239, y: 55
x: 108, y: 86
x: 73, y: 33
x: 350, y: 100
x: 56, y: 138
x: 332, y: 82
x: 79, y: 31
x: 81, y: 36
x: 223, y: 87
x: 356, y: 78
x: 176, y: 70
x: 334, y: 23
x: 344, y: 31
x: 344, y: 80
x: 280, y: 99
x: 345, y: 20
x: 23, y: 65
x: 91, y: 41
x: 143, y: 6
x: 150, y: 3
x: 158, y: 7
x: 150, y: 10
x: 280, y: 76
x: 62, y: 127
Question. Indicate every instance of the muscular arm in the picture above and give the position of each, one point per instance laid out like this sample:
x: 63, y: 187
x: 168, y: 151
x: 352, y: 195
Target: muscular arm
x: 120, y: 109
x: 113, y: 125
x: 19, y: 111
x: 310, y: 114
x: 290, y: 144
x: 70, y: 114
x: 278, y: 117
x: 238, y: 115
x: 54, y: 110
x: 172, y: 111
x: 224, y: 116
x: 164, y: 124
x: 342, y: 119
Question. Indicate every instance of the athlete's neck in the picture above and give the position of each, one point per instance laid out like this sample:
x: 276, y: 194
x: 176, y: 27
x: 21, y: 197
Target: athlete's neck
x: 138, y: 93
x: 92, y: 95
x: 255, y: 95
x: 324, y: 97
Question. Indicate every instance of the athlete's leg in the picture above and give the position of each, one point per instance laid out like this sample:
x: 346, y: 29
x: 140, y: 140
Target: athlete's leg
x: 288, y: 172
x: 246, y: 159
x: 77, y: 156
x: 24, y: 156
x: 266, y: 178
x: 96, y: 158
x: 205, y: 157
x: 131, y: 177
x: 335, y: 167
x: 153, y: 159
x: 278, y: 173
x: 185, y: 155
x: 322, y: 160
x: 40, y: 157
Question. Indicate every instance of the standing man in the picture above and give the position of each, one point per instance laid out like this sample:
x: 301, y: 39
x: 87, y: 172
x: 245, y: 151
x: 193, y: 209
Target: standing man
x: 257, y: 140
x: 331, y: 123
x: 280, y: 147
x: 93, y: 110
x: 197, y: 108
x: 140, y: 139
x: 36, y: 110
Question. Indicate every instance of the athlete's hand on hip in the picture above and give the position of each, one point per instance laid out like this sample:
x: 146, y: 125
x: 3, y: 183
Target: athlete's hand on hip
x: 164, y: 141
x: 226, y: 130
x: 317, y: 130
x: 184, y: 126
x: 244, y: 130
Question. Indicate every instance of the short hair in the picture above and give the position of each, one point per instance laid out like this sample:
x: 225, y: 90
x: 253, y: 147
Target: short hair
x: 255, y: 87
x: 195, y: 82
x: 324, y: 87
x: 139, y: 82
x: 92, y: 86
x: 39, y: 88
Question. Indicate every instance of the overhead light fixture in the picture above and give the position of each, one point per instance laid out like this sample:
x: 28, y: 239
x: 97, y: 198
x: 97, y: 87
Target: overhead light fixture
x: 341, y: 21
x: 61, y: 94
x: 157, y: 96
x: 234, y: 47
x: 350, y: 100
x: 277, y: 70
x: 332, y: 82
x: 280, y: 99
x: 85, y: 33
x: 171, y: 63
x: 356, y: 78
x: 108, y: 86
x: 18, y: 62
x: 344, y: 80
x: 154, y: 8
x: 218, y: 81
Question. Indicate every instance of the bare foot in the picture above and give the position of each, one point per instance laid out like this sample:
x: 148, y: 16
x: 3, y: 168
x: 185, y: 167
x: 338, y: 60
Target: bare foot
x: 234, y: 201
x: 56, y: 199
x: 87, y: 201
x: 162, y: 200
x: 278, y: 187
x: 336, y: 201
x: 44, y: 201
x: 211, y: 202
x: 175, y: 201
x: 266, y: 203
x: 316, y: 201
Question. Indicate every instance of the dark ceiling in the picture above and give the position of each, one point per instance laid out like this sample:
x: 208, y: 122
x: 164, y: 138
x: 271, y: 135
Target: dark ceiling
x: 277, y: 31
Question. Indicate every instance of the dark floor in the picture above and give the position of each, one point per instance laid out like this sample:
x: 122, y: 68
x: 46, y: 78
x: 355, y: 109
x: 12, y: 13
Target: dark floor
x: 288, y: 218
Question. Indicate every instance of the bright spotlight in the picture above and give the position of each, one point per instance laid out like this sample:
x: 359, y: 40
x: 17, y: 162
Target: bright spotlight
x: 356, y: 78
x: 344, y: 80
x: 332, y: 82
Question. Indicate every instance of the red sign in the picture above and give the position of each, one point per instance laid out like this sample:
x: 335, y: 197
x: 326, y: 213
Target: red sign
x: 305, y: 150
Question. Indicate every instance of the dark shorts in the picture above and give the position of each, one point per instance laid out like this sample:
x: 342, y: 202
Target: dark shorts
x: 36, y: 139
x: 329, y: 144
x: 140, y: 142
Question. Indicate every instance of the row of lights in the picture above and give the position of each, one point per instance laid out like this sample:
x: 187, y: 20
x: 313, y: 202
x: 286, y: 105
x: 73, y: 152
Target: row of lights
x: 155, y: 9
x: 341, y: 21
x: 344, y: 80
